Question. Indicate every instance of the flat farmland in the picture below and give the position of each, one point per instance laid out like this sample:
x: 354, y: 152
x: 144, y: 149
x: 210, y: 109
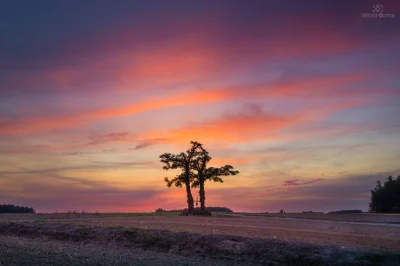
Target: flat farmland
x: 372, y: 236
x: 304, y: 236
x: 361, y: 217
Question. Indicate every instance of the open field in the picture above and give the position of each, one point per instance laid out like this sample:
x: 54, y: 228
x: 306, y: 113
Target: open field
x: 74, y: 215
x: 363, y: 217
x: 224, y: 239
x: 358, y: 217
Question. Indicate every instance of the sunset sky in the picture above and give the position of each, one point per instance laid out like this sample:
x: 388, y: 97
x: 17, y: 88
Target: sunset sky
x: 303, y: 99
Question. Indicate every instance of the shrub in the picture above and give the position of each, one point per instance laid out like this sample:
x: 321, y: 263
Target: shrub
x: 9, y: 208
x: 347, y: 211
x: 208, y: 209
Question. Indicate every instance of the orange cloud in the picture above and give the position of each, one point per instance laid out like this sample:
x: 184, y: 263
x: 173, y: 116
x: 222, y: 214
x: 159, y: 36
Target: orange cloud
x: 233, y: 128
x: 172, y: 65
x: 317, y: 87
x: 235, y: 161
x: 251, y: 126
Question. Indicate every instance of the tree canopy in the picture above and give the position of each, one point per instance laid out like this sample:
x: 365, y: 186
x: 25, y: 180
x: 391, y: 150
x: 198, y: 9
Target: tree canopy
x: 386, y: 198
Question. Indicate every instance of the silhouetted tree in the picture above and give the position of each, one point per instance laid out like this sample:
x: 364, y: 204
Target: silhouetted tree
x: 204, y: 174
x: 386, y: 198
x: 179, y: 179
x: 182, y: 161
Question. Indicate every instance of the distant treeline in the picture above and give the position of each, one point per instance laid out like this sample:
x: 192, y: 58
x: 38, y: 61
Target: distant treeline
x: 347, y: 211
x: 210, y: 209
x: 9, y: 208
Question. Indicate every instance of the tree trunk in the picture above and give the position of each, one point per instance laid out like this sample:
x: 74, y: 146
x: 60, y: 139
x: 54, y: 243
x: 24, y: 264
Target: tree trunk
x: 202, y: 197
x: 189, y: 193
x: 189, y: 199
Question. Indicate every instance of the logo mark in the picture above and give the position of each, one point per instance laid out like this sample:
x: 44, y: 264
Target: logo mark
x: 378, y: 8
x: 377, y: 12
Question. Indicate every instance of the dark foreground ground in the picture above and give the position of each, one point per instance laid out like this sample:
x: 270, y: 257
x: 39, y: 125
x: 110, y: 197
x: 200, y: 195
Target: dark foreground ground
x: 196, y: 241
x: 16, y: 250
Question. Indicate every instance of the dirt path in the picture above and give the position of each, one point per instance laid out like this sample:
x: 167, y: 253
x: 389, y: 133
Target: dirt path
x: 349, y: 217
x: 244, y: 216
x: 343, y: 222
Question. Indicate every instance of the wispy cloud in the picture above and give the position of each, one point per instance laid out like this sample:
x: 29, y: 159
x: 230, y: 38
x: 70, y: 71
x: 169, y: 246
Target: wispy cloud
x: 94, y: 165
x: 66, y: 193
x: 110, y: 137
x: 149, y: 142
x: 249, y: 123
x: 282, y: 88
x: 298, y: 182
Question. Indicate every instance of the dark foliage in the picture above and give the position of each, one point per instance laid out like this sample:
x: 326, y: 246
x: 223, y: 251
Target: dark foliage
x: 208, y: 209
x: 386, y: 198
x: 347, y: 211
x: 9, y: 208
x: 218, y: 209
x: 196, y: 211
